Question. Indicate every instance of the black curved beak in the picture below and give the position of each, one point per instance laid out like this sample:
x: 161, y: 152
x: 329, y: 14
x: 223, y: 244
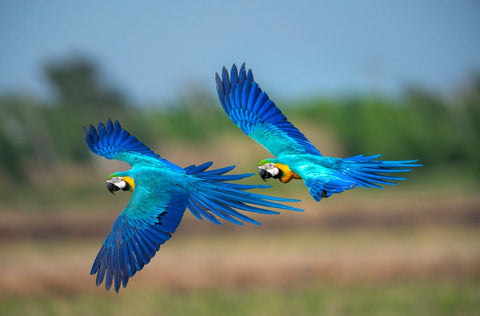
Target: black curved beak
x: 112, y: 187
x: 263, y: 174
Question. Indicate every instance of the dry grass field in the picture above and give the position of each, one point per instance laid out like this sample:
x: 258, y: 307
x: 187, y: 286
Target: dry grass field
x: 392, y: 252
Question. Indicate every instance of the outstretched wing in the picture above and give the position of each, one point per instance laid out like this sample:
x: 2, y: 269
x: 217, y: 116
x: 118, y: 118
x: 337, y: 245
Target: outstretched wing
x: 251, y: 110
x: 147, y: 222
x: 113, y: 142
x: 217, y: 195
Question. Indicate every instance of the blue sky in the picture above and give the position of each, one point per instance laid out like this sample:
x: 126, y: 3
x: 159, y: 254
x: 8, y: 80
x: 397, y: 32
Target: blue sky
x: 156, y: 50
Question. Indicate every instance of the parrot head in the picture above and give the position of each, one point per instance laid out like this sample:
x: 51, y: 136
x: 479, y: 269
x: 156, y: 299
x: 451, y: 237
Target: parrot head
x: 116, y: 183
x: 267, y: 169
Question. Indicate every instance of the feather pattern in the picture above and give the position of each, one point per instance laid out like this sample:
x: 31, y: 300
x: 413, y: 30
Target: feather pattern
x: 162, y: 192
x: 251, y: 109
x: 114, y: 142
x: 221, y: 198
x: 258, y: 117
x: 136, y: 236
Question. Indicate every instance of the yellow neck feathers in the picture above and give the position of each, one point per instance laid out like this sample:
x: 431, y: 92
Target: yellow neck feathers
x: 130, y: 182
x: 287, y: 173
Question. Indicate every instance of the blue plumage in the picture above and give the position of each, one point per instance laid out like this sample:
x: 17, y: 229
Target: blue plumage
x: 296, y: 158
x: 259, y: 118
x: 161, y: 191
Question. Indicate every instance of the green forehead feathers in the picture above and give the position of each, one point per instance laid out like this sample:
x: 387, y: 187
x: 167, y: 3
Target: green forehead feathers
x: 264, y: 161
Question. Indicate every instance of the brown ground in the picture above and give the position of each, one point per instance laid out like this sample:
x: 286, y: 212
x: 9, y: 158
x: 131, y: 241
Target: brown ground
x: 380, y: 238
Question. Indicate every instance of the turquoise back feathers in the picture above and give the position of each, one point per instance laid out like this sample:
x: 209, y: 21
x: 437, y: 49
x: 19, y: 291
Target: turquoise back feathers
x: 162, y: 192
x: 251, y: 109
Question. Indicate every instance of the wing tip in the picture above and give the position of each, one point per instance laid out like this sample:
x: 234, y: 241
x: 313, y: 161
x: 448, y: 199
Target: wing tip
x: 110, y: 139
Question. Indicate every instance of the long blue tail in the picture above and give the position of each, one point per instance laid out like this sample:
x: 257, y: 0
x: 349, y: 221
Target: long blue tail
x: 358, y: 171
x: 219, y: 197
x: 369, y: 173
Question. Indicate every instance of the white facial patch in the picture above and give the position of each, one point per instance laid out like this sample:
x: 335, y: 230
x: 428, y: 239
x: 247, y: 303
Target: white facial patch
x: 274, y: 171
x: 118, y: 182
x: 270, y: 168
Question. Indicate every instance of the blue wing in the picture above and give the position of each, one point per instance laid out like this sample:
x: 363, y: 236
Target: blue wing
x: 114, y: 142
x: 216, y: 195
x: 138, y: 232
x: 155, y: 212
x: 251, y: 110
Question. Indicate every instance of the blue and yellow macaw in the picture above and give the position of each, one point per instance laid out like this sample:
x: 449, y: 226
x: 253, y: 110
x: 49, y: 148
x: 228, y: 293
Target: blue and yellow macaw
x: 161, y: 191
x: 296, y: 158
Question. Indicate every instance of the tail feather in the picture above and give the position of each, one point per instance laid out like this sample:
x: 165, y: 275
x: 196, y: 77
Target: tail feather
x: 220, y: 210
x: 192, y: 169
x: 217, y: 197
x: 362, y: 171
x: 368, y: 172
x: 198, y: 211
x: 230, y: 177
x: 250, y: 208
x: 224, y: 210
x: 216, y: 172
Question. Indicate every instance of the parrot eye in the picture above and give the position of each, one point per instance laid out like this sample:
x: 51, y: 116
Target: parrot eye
x: 269, y: 166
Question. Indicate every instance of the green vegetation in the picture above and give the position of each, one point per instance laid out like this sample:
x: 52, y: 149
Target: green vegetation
x: 441, y: 132
x: 444, y: 298
x: 412, y: 249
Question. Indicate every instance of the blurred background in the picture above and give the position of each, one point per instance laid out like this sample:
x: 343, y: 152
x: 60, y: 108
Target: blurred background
x: 399, y: 78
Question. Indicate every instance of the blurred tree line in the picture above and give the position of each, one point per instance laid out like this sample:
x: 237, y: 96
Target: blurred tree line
x: 442, y: 132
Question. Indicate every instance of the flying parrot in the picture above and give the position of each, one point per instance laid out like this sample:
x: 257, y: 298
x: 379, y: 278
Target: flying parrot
x: 296, y: 158
x: 161, y: 191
